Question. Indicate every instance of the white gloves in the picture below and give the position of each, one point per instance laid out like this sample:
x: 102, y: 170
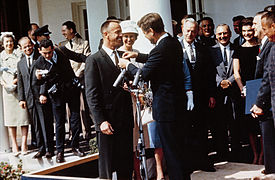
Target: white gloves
x: 190, y: 102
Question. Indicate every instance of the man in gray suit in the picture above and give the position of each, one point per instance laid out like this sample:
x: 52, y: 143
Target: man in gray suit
x: 28, y: 92
x: 227, y: 94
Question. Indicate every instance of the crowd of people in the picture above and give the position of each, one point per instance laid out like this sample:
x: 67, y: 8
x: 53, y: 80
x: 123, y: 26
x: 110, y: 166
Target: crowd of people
x: 198, y: 80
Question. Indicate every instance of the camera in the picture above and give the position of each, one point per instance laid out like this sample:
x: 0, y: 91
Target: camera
x: 53, y: 89
x: 43, y: 72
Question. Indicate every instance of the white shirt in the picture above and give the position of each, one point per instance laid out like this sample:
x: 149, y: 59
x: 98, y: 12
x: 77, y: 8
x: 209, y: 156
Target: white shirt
x: 186, y: 46
x: 31, y: 59
x: 227, y: 51
x: 110, y: 53
x: 161, y: 37
x: 263, y: 41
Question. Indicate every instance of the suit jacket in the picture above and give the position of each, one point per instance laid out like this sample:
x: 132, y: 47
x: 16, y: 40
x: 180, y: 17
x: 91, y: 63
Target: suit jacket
x: 79, y: 46
x: 60, y: 73
x: 106, y: 103
x: 163, y: 68
x: 202, y: 74
x: 262, y: 59
x: 222, y: 73
x: 265, y: 95
x: 25, y: 77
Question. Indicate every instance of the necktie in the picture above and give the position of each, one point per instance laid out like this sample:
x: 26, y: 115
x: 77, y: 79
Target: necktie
x: 116, y: 59
x: 29, y: 62
x: 191, y: 52
x: 225, y: 58
x: 71, y: 43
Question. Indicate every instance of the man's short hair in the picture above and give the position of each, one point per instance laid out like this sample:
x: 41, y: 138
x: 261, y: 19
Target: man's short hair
x: 207, y: 19
x: 223, y: 25
x: 270, y: 8
x: 70, y: 25
x: 186, y: 17
x: 238, y: 18
x: 151, y: 20
x: 30, y: 26
x: 106, y: 24
x: 270, y: 18
x: 45, y: 43
x: 23, y: 38
x: 191, y: 20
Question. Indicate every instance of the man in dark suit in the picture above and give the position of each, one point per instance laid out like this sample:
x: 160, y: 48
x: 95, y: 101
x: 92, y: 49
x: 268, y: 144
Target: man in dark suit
x: 60, y: 87
x: 28, y: 92
x: 227, y: 95
x: 264, y: 100
x: 164, y: 69
x: 203, y: 86
x: 111, y: 107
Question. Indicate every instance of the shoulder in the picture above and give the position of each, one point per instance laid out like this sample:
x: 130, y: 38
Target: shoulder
x: 63, y: 43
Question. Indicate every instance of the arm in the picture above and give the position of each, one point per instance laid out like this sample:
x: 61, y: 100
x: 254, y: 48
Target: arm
x: 20, y: 85
x: 78, y: 57
x: 237, y: 76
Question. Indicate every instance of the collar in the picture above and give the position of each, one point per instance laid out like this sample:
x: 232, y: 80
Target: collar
x: 108, y: 50
x: 54, y: 58
x: 161, y: 37
x: 186, y: 44
x: 222, y: 46
x: 263, y: 41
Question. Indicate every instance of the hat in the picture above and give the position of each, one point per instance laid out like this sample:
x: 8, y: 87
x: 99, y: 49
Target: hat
x: 129, y: 27
x: 43, y: 31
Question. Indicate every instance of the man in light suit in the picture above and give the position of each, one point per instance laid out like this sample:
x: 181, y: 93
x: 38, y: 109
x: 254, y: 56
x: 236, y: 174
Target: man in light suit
x: 28, y: 92
x: 75, y: 43
x: 203, y: 86
x: 265, y: 65
x: 227, y: 94
x: 111, y: 107
x: 163, y: 67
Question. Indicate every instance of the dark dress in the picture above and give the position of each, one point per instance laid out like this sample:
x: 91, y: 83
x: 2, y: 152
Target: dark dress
x: 248, y: 59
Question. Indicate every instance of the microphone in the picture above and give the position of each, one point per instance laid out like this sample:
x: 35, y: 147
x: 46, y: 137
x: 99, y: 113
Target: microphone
x: 137, y: 77
x: 119, y: 78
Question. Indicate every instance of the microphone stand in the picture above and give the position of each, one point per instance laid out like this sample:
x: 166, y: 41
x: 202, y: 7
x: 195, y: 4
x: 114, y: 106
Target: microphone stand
x: 141, y: 144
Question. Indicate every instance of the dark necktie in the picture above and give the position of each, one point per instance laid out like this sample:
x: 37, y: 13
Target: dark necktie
x: 225, y: 58
x: 116, y: 59
x: 29, y: 63
x: 71, y: 43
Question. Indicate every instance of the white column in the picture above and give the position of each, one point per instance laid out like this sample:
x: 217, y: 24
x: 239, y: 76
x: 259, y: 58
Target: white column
x: 4, y: 136
x: 189, y: 7
x: 97, y: 12
x: 197, y: 9
x: 139, y: 8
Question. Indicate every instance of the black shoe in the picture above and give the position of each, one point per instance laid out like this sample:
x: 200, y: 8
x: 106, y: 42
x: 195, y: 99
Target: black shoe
x: 60, y: 157
x: 38, y: 155
x: 209, y: 168
x: 49, y: 155
x: 78, y: 152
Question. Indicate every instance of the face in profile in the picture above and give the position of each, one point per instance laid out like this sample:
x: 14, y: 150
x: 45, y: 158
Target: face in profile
x: 67, y: 33
x: 268, y: 30
x: 150, y: 36
x: 8, y: 43
x: 114, y: 35
x: 248, y: 32
x: 129, y: 39
x: 207, y: 28
x: 223, y: 35
x: 189, y: 31
x: 257, y: 26
x: 236, y: 26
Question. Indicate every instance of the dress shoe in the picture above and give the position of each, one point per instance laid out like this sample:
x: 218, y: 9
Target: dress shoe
x: 49, y: 155
x: 208, y: 169
x: 78, y: 152
x: 38, y: 155
x: 60, y: 157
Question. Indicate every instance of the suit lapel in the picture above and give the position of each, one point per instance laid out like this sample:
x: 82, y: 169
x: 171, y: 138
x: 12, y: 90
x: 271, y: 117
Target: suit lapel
x: 109, y: 60
x: 230, y: 63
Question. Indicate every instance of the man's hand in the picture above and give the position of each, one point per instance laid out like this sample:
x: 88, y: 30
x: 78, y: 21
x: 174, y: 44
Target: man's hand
x: 42, y: 99
x: 212, y: 102
x: 256, y: 111
x: 106, y: 128
x: 38, y: 74
x: 225, y: 84
x: 23, y: 104
x: 123, y: 63
x: 129, y: 54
